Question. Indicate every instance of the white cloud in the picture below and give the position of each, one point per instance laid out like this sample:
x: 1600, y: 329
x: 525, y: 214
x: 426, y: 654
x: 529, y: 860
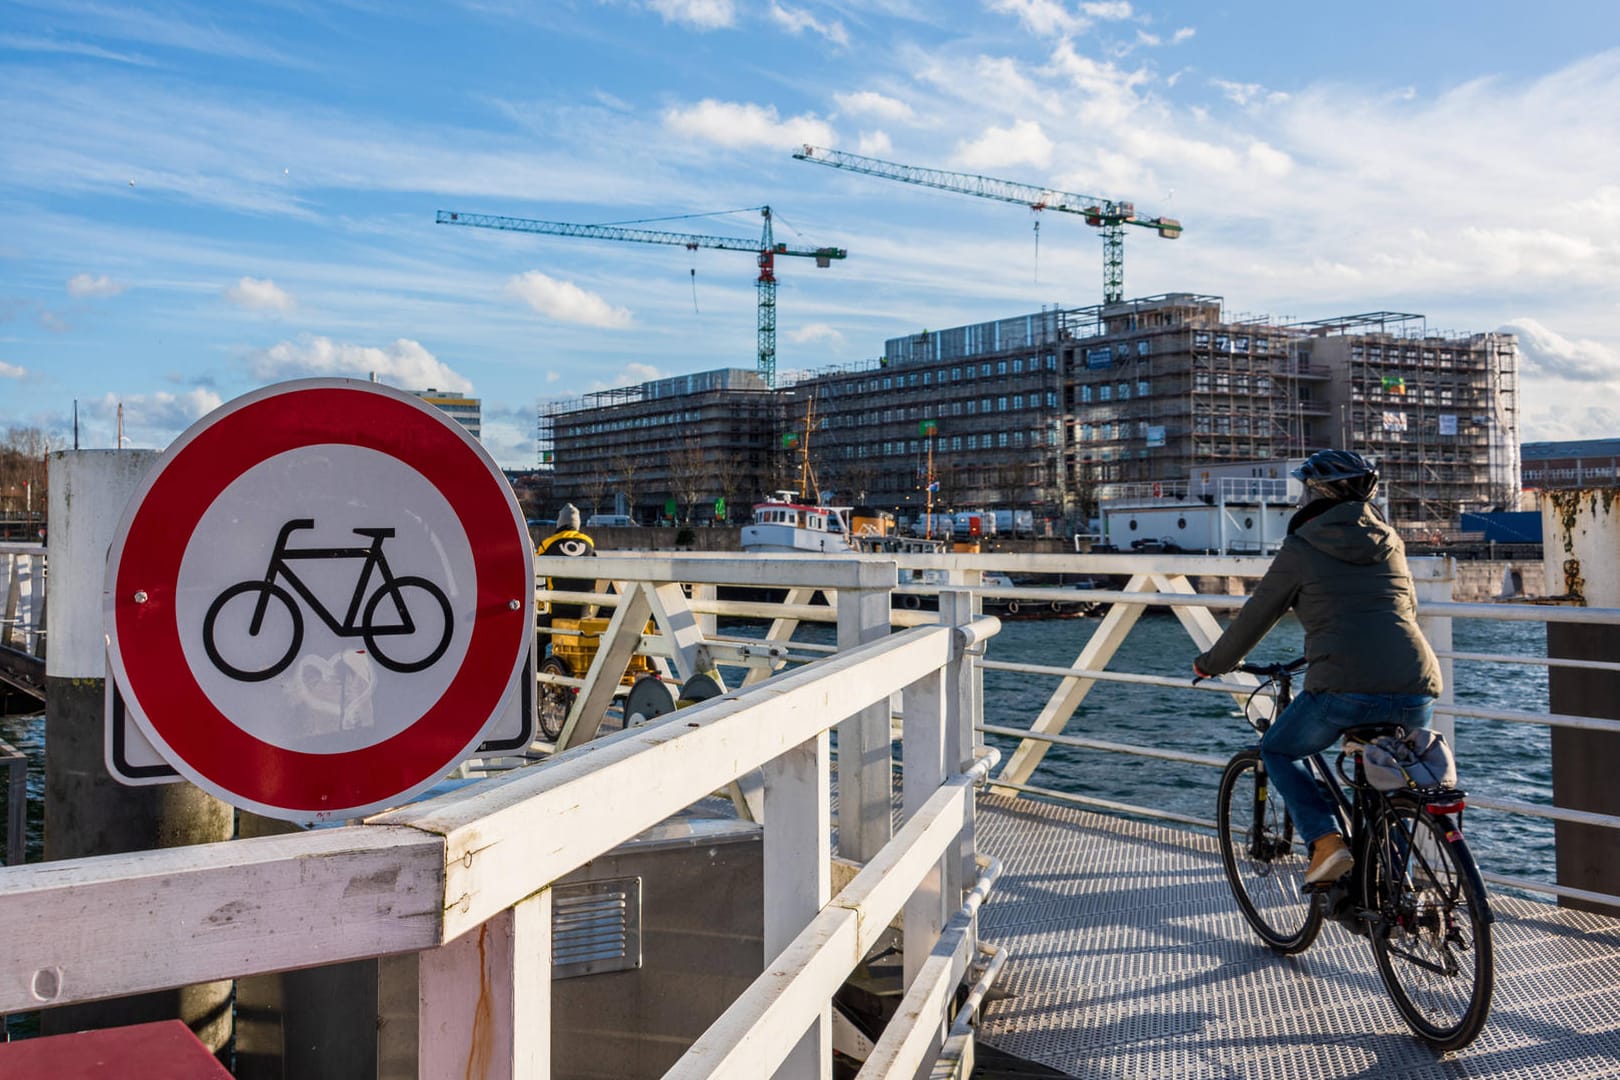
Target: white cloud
x: 699, y: 14
x: 254, y: 294
x: 566, y: 302
x: 816, y: 332
x: 1022, y: 144
x: 798, y: 20
x: 153, y: 420
x: 1544, y: 351
x: 733, y: 124
x: 1108, y: 9
x: 85, y: 285
x: 1184, y: 34
x: 874, y: 143
x: 631, y: 375
x: 872, y: 103
x: 405, y: 363
x: 12, y: 371
x: 1245, y: 94
x: 1047, y: 18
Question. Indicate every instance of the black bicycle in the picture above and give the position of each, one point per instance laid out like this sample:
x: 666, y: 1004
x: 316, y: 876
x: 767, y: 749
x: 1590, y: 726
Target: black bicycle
x: 413, y: 605
x: 1414, y: 893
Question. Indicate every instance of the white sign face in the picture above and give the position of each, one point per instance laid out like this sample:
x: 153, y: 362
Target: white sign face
x: 314, y: 678
x: 320, y: 600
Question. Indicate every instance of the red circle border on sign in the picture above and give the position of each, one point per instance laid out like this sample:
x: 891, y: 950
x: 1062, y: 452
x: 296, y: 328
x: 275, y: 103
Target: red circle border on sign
x: 145, y: 637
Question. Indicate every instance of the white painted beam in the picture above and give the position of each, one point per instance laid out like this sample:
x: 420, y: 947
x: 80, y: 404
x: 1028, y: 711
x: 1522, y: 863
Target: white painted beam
x: 512, y: 833
x: 156, y: 919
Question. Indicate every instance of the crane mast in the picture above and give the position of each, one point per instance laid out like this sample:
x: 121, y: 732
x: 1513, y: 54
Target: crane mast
x: 1109, y: 215
x: 765, y: 253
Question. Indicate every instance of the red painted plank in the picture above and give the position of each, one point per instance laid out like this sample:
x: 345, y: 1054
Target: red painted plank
x: 165, y: 1050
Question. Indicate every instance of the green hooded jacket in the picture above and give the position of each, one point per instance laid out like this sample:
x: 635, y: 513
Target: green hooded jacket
x: 1343, y: 571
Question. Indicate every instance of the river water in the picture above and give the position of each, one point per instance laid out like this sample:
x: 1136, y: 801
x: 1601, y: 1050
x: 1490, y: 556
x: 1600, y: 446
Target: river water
x: 1494, y: 758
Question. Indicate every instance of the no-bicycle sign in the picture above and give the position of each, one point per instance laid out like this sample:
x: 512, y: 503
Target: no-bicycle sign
x: 320, y: 600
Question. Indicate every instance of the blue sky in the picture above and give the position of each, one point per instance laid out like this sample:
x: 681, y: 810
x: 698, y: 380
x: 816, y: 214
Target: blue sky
x: 203, y: 198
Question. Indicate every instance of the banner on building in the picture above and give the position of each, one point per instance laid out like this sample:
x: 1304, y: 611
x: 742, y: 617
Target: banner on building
x: 1394, y: 421
x: 1155, y: 435
x: 1448, y: 423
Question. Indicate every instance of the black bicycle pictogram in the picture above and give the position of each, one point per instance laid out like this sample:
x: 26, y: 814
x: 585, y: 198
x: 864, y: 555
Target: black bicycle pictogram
x: 414, y: 603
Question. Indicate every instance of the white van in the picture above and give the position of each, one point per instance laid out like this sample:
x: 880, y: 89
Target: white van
x: 610, y: 521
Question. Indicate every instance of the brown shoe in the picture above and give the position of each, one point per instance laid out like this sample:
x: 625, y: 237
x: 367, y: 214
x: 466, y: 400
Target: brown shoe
x: 1330, y: 860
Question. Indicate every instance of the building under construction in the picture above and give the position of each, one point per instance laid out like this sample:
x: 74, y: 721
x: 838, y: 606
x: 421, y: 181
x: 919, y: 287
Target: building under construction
x: 677, y: 448
x: 1059, y: 409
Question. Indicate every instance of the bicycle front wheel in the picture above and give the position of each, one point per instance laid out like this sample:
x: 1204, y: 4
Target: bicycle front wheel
x: 1265, y: 861
x: 1431, y: 932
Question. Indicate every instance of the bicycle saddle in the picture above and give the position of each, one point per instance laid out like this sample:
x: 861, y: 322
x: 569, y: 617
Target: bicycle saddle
x: 1359, y: 736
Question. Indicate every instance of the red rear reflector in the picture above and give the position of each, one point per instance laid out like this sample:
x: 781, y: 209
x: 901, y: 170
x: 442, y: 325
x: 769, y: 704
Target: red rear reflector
x: 1445, y: 808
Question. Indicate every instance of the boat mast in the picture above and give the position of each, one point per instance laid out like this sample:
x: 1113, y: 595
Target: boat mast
x: 807, y: 475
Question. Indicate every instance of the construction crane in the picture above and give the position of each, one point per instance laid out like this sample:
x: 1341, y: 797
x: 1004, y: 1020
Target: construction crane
x: 765, y: 251
x: 1109, y: 215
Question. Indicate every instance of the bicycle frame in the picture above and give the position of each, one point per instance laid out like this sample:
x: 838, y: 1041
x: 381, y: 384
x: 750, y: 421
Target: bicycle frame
x: 375, y: 560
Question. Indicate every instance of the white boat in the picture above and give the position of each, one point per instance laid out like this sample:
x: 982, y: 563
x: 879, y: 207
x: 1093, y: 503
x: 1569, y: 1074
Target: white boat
x: 784, y: 524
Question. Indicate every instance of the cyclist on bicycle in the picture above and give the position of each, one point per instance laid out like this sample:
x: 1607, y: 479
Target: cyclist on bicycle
x: 1342, y: 568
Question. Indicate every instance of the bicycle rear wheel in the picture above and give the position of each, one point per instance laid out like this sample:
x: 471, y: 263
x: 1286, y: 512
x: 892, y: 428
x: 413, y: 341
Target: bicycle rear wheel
x: 1265, y: 861
x: 1432, y: 934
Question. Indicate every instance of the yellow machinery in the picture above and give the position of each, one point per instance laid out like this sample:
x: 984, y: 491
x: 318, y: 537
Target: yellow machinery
x: 573, y: 647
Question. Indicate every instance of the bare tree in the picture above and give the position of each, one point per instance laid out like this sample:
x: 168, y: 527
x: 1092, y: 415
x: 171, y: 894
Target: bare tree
x: 597, y: 480
x: 691, y: 474
x: 24, y: 472
x: 626, y: 464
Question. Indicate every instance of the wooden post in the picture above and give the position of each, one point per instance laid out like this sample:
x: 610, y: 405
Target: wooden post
x: 924, y: 753
x: 865, y: 768
x: 1435, y: 579
x: 1581, y: 552
x: 485, y: 1007
x: 798, y: 876
x: 87, y: 812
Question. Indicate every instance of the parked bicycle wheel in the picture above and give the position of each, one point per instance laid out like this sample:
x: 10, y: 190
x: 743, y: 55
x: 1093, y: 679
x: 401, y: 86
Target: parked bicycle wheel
x: 415, y: 623
x: 1265, y: 862
x: 247, y: 636
x: 1432, y: 939
x: 551, y: 709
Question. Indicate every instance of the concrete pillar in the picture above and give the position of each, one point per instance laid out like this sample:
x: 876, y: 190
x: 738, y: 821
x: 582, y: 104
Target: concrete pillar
x: 87, y: 812
x: 1581, y: 556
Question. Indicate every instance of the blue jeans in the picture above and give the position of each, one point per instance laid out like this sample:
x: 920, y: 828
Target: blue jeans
x: 1313, y: 722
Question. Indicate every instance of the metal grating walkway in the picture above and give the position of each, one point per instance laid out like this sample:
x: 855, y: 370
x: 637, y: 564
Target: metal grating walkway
x: 1129, y: 959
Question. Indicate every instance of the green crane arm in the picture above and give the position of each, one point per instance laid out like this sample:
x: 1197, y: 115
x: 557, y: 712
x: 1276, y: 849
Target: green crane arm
x: 822, y: 255
x: 1109, y: 215
x: 765, y: 253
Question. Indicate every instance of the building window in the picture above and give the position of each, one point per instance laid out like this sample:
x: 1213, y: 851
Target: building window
x: 1105, y: 392
x: 1124, y: 391
x: 1001, y: 403
x: 1085, y: 395
x: 1001, y: 367
x: 1141, y: 388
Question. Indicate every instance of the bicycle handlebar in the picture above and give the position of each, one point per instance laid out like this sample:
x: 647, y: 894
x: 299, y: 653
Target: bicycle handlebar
x: 1272, y: 671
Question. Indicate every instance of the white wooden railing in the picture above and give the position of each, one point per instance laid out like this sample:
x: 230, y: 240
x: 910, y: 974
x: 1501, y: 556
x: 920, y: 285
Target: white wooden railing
x: 22, y: 596
x: 463, y: 879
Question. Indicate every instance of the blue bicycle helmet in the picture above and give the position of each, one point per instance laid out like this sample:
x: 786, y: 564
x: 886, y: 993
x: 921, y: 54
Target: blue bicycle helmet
x: 1338, y: 474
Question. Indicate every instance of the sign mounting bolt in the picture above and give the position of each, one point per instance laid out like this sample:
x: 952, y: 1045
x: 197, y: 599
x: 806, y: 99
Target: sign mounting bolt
x: 514, y: 604
x: 140, y: 596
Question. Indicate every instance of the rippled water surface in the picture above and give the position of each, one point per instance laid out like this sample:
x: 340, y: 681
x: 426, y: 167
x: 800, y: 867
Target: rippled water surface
x: 1494, y: 757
